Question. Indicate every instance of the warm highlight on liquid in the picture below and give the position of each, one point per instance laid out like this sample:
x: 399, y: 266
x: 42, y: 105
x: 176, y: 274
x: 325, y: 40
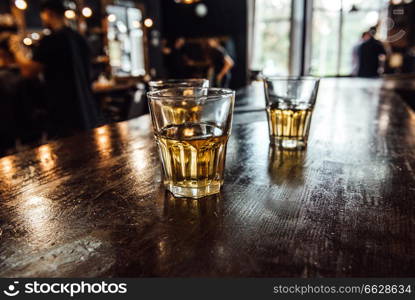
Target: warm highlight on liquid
x: 289, y: 123
x: 193, y: 156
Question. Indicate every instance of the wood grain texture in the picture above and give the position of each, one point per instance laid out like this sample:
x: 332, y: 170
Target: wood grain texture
x: 94, y: 205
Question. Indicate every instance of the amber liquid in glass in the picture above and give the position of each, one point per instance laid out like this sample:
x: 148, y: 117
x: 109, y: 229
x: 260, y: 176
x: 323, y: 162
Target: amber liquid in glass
x: 193, y: 157
x: 289, y: 124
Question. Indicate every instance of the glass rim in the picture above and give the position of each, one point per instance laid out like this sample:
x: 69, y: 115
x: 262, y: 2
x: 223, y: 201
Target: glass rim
x: 221, y: 93
x: 184, y: 81
x: 291, y: 78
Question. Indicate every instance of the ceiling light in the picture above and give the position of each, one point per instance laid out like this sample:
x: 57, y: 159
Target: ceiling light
x: 20, y: 4
x: 87, y: 12
x: 70, y: 14
x: 112, y: 18
x: 27, y: 41
x: 148, y: 22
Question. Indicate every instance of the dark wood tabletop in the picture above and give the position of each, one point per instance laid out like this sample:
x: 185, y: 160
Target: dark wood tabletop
x: 93, y: 205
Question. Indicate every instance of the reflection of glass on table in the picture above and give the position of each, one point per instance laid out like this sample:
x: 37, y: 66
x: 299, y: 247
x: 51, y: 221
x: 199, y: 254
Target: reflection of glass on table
x: 286, y: 166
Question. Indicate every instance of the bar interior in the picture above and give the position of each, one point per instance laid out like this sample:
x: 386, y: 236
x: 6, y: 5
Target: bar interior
x: 207, y: 138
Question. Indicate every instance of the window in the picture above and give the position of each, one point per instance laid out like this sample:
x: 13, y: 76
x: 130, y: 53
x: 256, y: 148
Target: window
x: 337, y: 26
x: 271, y: 36
x: 125, y: 40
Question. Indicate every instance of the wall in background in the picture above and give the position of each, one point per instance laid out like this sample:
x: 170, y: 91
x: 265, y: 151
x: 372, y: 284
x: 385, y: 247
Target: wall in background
x: 152, y: 9
x: 4, y: 7
x: 33, y: 15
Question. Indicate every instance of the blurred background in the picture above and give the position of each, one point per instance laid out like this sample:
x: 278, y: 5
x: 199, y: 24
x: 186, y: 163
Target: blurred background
x: 232, y: 43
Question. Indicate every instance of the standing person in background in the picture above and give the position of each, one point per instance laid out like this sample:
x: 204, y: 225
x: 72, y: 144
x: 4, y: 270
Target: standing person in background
x: 355, y: 53
x: 64, y: 59
x: 221, y: 62
x: 370, y: 52
x: 173, y: 58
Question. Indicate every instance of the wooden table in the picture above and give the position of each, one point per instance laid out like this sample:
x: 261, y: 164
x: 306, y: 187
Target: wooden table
x: 94, y: 205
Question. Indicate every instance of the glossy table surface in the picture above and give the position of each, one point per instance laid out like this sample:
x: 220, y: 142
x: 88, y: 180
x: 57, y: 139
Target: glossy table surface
x: 94, y: 205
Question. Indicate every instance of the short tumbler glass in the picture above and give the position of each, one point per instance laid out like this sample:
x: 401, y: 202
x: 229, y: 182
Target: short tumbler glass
x: 290, y: 104
x: 191, y: 128
x: 176, y: 83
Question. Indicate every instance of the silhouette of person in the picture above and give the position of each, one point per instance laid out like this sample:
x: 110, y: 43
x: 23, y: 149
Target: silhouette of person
x: 369, y: 54
x: 355, y: 55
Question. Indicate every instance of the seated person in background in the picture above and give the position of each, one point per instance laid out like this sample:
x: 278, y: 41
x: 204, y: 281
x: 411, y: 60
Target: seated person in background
x: 9, y: 81
x: 6, y: 56
x: 370, y: 52
x: 22, y: 109
x: 63, y: 58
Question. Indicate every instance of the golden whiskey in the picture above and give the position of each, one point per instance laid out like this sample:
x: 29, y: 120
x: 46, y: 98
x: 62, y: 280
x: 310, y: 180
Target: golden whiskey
x: 193, y: 157
x: 289, y: 126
